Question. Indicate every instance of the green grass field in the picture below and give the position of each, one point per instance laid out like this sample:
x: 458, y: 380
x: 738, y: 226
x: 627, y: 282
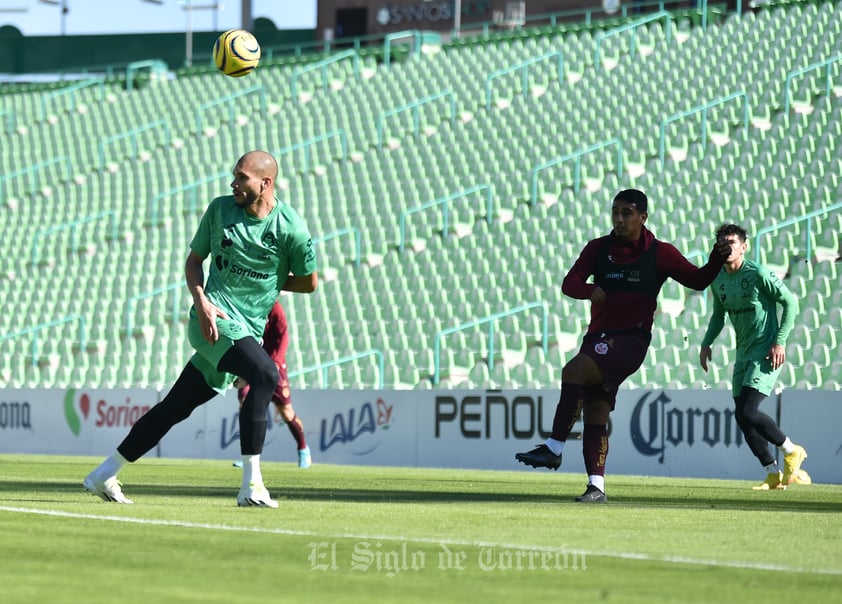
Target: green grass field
x: 361, y: 534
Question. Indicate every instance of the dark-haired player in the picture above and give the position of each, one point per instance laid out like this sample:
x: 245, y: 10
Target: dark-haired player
x: 750, y: 294
x: 629, y: 266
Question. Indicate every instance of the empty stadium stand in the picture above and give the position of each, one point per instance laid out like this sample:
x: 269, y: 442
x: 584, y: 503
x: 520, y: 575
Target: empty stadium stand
x: 445, y: 189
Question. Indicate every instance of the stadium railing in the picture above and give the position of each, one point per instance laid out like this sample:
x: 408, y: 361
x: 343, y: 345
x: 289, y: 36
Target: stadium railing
x: 178, y: 288
x: 703, y: 129
x: 132, y: 135
x: 415, y: 108
x: 341, y: 233
x: 36, y: 329
x: 69, y: 94
x: 31, y: 171
x: 827, y: 63
x: 443, y: 202
x: 229, y: 100
x: 323, y: 68
x: 806, y: 218
x: 490, y: 320
x: 307, y: 145
x: 576, y: 156
x: 523, y: 67
x: 632, y: 29
x: 192, y: 187
x: 73, y: 227
x: 324, y: 367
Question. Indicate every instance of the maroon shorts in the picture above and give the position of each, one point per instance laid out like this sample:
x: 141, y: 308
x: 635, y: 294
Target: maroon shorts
x: 618, y: 356
x: 281, y: 395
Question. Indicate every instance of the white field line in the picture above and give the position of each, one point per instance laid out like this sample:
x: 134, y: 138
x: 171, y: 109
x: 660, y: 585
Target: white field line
x: 444, y: 542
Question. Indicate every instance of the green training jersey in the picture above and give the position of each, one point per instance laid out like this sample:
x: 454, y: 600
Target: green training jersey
x: 251, y: 258
x: 750, y: 296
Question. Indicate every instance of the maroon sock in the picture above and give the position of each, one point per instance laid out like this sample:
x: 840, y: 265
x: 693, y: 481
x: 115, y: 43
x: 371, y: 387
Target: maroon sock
x: 296, y: 428
x: 595, y: 448
x: 567, y: 412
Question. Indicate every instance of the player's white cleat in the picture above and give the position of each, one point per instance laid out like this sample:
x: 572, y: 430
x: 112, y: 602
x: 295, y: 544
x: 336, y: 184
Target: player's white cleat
x: 255, y: 496
x: 107, y: 490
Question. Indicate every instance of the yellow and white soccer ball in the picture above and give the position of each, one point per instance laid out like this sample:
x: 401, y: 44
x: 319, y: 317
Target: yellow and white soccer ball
x: 236, y: 53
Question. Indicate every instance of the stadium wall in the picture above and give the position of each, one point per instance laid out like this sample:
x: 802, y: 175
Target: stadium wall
x: 50, y: 54
x: 686, y: 433
x: 382, y: 17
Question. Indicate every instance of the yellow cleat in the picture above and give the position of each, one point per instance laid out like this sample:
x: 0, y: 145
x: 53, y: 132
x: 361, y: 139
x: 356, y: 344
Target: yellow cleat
x: 801, y: 477
x: 792, y: 463
x: 772, y: 483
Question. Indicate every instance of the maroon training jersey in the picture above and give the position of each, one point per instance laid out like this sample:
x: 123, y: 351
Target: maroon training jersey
x: 632, y: 310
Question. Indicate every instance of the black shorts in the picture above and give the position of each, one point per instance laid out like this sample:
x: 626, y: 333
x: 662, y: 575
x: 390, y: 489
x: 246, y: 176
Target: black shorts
x: 618, y: 356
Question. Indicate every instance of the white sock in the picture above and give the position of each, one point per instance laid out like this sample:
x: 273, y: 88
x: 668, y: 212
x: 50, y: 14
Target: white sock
x: 772, y: 468
x: 787, y: 447
x: 251, y: 471
x: 597, y: 481
x: 111, y: 466
x: 554, y: 445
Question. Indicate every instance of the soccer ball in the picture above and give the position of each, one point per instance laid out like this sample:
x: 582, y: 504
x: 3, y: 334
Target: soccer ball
x: 236, y: 53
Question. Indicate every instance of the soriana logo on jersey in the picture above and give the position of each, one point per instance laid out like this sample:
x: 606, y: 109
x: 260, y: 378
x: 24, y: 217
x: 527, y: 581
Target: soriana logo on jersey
x: 101, y: 409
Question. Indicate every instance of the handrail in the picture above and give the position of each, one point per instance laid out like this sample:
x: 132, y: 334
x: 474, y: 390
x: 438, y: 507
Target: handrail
x: 229, y: 100
x: 325, y: 46
x: 789, y: 222
x: 135, y: 66
x: 398, y: 35
x: 132, y: 136
x: 577, y: 170
x: 71, y: 90
x: 797, y: 72
x: 490, y: 320
x: 31, y: 170
x: 703, y: 108
x: 36, y: 328
x: 666, y: 15
x: 336, y: 234
x: 73, y: 226
x: 312, y: 141
x: 346, y: 359
x: 323, y: 66
x: 523, y: 66
x: 442, y: 201
x: 191, y: 186
x: 130, y: 306
x: 414, y: 106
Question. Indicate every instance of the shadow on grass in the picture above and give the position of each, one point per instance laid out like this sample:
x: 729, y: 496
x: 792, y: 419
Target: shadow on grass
x: 717, y: 497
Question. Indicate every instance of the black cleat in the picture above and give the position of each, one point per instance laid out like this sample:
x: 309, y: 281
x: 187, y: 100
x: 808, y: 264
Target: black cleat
x: 592, y: 495
x: 540, y: 457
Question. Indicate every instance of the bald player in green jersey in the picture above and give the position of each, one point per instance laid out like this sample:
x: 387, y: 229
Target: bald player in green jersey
x: 750, y: 294
x: 257, y: 247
